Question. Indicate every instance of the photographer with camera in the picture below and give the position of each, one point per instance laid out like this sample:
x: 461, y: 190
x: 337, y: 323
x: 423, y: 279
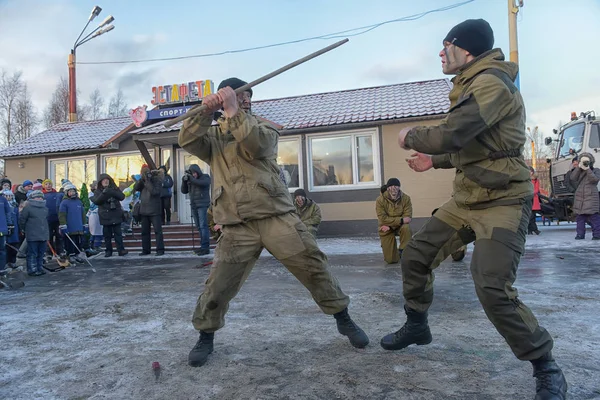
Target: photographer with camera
x: 108, y: 197
x: 150, y: 186
x: 586, y: 204
x: 197, y: 185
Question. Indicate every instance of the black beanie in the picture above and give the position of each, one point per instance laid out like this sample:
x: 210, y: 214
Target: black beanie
x: 300, y: 192
x: 233, y: 83
x: 393, y: 182
x: 473, y: 35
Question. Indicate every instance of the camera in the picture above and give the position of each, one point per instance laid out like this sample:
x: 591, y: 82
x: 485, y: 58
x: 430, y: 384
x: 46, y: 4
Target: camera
x: 586, y: 163
x: 188, y: 171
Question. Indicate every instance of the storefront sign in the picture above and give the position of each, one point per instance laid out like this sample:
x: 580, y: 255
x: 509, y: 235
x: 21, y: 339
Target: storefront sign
x: 168, y: 112
x: 181, y: 93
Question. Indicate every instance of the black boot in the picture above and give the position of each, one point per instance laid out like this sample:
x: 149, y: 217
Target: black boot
x: 347, y: 327
x: 201, y: 350
x: 550, y: 381
x: 415, y: 331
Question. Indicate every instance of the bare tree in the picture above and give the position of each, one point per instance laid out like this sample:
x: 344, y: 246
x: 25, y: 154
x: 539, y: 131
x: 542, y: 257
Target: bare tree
x: 10, y: 92
x: 26, y: 118
x: 58, y: 110
x: 117, y: 106
x: 96, y: 106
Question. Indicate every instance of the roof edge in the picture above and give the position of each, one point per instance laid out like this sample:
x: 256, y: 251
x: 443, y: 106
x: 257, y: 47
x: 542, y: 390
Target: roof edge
x: 123, y: 132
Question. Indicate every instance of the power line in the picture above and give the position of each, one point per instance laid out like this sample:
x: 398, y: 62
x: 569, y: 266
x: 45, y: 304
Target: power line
x: 335, y: 35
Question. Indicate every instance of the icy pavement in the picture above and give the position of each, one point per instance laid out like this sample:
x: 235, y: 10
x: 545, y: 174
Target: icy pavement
x: 79, y: 335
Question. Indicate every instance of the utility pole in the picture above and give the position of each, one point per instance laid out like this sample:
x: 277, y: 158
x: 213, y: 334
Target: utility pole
x: 513, y: 10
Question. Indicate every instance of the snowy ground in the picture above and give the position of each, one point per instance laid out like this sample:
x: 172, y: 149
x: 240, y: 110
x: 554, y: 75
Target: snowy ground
x: 78, y: 335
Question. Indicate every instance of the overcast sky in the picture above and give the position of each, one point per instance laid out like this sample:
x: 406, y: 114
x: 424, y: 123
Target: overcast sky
x: 558, y: 46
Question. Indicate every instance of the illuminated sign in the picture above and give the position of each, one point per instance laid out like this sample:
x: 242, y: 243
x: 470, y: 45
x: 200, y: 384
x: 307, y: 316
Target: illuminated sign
x: 181, y: 93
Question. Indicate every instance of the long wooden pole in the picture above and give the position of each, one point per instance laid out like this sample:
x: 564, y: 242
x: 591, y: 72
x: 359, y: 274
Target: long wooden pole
x: 242, y: 89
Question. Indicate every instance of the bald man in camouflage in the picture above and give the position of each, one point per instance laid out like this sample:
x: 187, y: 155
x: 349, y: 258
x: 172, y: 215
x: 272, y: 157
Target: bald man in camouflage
x: 482, y: 137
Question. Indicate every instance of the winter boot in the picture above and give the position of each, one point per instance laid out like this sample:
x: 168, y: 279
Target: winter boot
x: 123, y: 252
x: 550, y: 381
x: 347, y: 327
x: 415, y: 331
x: 459, y: 254
x: 201, y: 350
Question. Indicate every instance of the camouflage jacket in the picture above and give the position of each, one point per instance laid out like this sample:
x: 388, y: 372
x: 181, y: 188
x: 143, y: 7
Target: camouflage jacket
x: 310, y: 214
x: 390, y: 212
x: 242, y: 154
x: 482, y: 136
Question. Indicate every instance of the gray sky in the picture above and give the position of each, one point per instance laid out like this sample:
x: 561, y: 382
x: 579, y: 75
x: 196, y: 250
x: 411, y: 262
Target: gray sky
x: 557, y: 43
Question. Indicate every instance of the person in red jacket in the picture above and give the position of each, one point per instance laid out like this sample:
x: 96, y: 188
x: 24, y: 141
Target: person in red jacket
x: 536, y: 207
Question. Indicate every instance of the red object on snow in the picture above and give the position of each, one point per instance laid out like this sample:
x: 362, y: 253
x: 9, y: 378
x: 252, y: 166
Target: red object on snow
x: 156, y: 369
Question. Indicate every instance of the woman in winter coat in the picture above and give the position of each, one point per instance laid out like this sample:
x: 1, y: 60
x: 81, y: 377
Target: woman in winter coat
x: 96, y: 232
x: 587, y: 204
x: 150, y: 186
x: 108, y: 197
x: 536, y: 207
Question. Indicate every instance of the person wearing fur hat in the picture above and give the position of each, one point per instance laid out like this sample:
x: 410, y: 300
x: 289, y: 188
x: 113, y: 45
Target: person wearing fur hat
x: 108, y: 197
x: 255, y: 211
x: 394, y: 214
x: 482, y: 137
x: 308, y: 211
x: 71, y: 215
x: 21, y: 192
x: 150, y: 187
x: 33, y: 221
x: 586, y: 203
x: 6, y: 184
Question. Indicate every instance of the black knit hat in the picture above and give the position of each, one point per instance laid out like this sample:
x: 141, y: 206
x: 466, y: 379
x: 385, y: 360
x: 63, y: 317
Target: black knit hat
x: 393, y: 182
x: 300, y: 192
x: 473, y: 35
x: 234, y: 83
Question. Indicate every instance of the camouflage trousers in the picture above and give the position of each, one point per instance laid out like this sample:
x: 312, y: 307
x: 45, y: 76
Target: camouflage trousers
x: 389, y: 244
x: 239, y: 247
x: 499, y: 235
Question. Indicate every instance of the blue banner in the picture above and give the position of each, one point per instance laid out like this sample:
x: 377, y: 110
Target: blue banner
x: 168, y: 112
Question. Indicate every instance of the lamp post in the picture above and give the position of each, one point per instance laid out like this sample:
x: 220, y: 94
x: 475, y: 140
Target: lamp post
x: 101, y: 29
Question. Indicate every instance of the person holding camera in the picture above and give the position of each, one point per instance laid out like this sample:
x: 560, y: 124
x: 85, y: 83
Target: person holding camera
x: 586, y: 204
x: 197, y: 185
x: 150, y: 187
x: 108, y: 197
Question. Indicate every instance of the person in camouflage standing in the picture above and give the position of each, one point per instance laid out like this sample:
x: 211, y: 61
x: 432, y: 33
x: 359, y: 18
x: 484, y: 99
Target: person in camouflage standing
x: 482, y: 137
x: 255, y: 210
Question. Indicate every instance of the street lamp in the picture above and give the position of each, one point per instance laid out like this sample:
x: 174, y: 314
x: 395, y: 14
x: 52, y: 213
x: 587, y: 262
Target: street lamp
x: 100, y: 30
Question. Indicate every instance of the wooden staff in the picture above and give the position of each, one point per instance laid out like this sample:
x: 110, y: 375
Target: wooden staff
x: 247, y: 86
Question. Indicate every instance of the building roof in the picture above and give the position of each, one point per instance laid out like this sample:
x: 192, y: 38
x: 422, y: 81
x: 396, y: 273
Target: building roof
x: 70, y: 136
x: 390, y: 102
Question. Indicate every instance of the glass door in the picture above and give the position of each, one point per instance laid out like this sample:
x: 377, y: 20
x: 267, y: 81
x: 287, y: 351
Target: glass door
x: 184, y: 160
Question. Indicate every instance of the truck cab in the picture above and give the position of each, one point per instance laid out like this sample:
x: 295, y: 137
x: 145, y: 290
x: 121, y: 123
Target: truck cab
x: 581, y: 134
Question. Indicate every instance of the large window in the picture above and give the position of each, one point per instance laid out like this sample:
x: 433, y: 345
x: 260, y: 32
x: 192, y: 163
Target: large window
x: 288, y: 158
x: 572, y: 140
x: 121, y: 167
x: 344, y: 161
x: 595, y: 136
x: 77, y: 171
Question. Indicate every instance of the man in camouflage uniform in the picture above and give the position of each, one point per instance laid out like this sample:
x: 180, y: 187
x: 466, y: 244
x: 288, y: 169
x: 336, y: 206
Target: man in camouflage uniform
x: 255, y: 210
x: 482, y: 137
x: 308, y: 211
x: 394, y: 213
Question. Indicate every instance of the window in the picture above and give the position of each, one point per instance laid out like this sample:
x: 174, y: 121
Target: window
x: 165, y: 158
x: 595, y: 136
x: 288, y: 158
x: 344, y: 161
x: 571, y: 140
x: 77, y: 171
x: 121, y: 167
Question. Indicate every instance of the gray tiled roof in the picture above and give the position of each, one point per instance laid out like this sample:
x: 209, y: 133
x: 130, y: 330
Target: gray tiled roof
x: 404, y: 100
x: 69, y: 136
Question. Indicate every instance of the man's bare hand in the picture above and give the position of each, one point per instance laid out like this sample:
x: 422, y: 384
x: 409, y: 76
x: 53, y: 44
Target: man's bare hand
x: 406, y: 220
x: 229, y: 101
x: 420, y: 162
x: 212, y: 103
x: 217, y: 227
x: 402, y: 137
x: 384, y: 228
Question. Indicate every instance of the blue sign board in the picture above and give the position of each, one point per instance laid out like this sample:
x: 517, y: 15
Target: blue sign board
x: 168, y: 112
